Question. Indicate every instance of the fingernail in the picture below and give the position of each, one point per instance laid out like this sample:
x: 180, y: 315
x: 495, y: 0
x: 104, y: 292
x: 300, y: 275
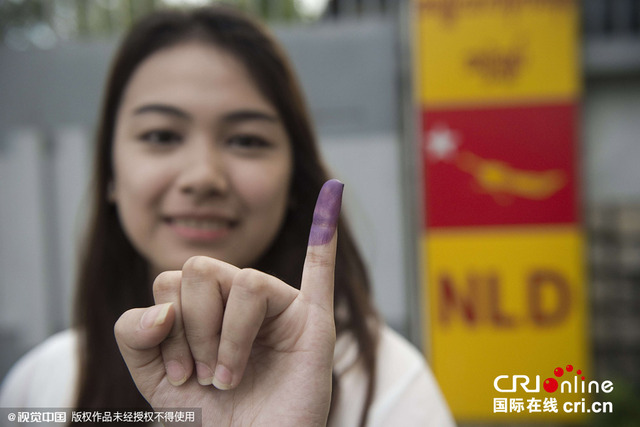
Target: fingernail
x: 222, y: 378
x: 176, y: 373
x: 155, y: 316
x: 204, y: 373
x: 326, y: 213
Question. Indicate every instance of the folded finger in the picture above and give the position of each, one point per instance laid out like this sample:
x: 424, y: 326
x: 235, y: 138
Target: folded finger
x: 254, y: 297
x: 205, y: 286
x: 175, y: 348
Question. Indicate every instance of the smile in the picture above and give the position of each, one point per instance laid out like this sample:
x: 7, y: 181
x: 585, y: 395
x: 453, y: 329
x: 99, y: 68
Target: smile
x: 201, y: 224
x: 200, y: 229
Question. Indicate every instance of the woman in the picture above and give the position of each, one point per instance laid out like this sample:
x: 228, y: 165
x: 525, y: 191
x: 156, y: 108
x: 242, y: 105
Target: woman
x: 207, y: 172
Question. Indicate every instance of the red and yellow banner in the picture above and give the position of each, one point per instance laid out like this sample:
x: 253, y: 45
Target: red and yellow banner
x: 504, y: 301
x: 499, y: 166
x: 496, y: 51
x: 504, y: 287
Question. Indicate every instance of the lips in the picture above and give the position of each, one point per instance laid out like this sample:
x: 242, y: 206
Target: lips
x: 201, y: 224
x: 201, y: 228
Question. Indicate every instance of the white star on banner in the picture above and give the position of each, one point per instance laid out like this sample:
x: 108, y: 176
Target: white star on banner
x: 441, y: 143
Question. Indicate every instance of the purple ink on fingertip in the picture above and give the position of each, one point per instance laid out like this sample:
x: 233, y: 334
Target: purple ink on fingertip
x: 326, y: 213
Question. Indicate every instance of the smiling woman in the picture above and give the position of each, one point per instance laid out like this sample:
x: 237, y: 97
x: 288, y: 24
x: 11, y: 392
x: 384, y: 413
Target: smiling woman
x: 202, y: 161
x: 228, y: 286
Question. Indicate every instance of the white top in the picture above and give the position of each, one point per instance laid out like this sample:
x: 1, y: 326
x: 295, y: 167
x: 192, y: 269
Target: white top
x: 406, y: 392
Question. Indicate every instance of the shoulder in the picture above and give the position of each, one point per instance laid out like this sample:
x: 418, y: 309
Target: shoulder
x: 397, y: 357
x: 406, y: 390
x: 45, y: 376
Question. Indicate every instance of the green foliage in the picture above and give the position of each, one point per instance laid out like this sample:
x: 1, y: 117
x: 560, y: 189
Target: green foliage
x: 626, y: 408
x: 28, y: 23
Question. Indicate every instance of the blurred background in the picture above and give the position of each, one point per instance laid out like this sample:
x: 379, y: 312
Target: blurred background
x: 354, y: 60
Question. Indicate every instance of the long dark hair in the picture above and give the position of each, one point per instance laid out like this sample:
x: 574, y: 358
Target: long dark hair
x: 114, y: 277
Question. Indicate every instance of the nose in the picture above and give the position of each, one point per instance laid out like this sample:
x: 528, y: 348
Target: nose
x: 204, y: 173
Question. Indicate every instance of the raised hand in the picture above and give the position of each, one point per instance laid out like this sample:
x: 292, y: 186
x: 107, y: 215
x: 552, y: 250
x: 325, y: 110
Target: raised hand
x: 242, y: 345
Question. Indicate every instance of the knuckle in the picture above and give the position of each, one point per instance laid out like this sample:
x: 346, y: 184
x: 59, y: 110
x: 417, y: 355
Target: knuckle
x: 198, y: 264
x: 250, y: 281
x: 230, y: 348
x: 318, y: 260
x: 202, y: 268
x: 167, y: 283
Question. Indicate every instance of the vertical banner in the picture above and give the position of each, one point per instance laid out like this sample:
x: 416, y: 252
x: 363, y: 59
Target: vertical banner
x: 504, y: 288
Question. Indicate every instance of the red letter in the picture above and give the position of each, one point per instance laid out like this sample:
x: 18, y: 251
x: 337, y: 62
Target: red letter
x: 537, y: 282
x: 498, y: 317
x: 451, y: 301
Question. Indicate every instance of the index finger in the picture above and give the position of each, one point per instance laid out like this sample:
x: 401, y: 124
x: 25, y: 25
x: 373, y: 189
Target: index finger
x: 319, y: 265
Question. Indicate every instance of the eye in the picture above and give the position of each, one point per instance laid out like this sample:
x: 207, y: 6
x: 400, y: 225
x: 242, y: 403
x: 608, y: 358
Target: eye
x: 248, y: 142
x: 161, y: 137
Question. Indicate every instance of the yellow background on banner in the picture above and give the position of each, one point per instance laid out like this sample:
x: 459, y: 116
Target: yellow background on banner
x: 487, y: 51
x: 504, y: 301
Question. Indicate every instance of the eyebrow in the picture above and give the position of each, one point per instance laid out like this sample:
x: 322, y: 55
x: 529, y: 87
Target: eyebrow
x: 245, y: 115
x: 162, y: 108
x: 232, y: 117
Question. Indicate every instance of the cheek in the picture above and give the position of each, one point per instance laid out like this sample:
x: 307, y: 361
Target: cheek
x: 265, y: 189
x: 137, y: 183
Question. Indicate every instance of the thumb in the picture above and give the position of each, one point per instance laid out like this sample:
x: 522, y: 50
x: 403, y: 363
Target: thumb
x: 319, y: 265
x: 139, y: 333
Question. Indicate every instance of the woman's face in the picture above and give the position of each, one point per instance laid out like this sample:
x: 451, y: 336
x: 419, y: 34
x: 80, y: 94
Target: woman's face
x: 202, y: 162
